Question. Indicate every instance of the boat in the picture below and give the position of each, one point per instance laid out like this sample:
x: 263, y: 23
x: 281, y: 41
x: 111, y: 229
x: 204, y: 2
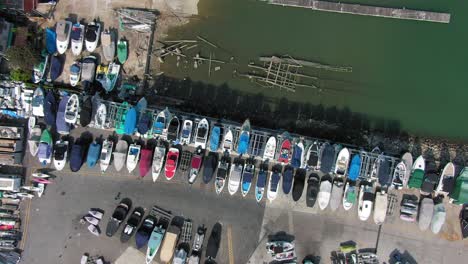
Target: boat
x: 196, y: 163
x: 77, y: 156
x: 186, y: 133
x: 130, y: 121
x: 56, y: 67
x: 247, y: 176
x: 31, y: 123
x: 426, y: 211
x: 235, y: 175
x: 261, y: 181
x: 327, y: 157
x: 45, y: 148
x: 287, y: 179
x: 144, y: 232
x: 222, y: 174
x: 342, y: 162
x: 51, y: 41
x: 350, y: 193
x: 158, y: 161
x: 60, y: 154
x: 273, y: 183
x: 399, y: 175
x: 209, y: 166
x: 160, y: 123
x: 324, y: 193
x: 63, y: 127
x: 181, y: 254
x: 214, y: 241
x: 336, y: 197
x: 312, y: 158
x: 227, y: 141
x: 144, y: 125
x: 297, y: 158
x: 172, y: 160
x: 75, y: 73
x: 429, y: 183
x: 447, y: 179
x: 41, y: 175
x: 170, y: 242
x: 173, y: 129
x: 88, y: 70
x: 133, y: 156
x: 39, y: 71
x: 285, y: 152
x: 214, y: 138
x: 100, y: 117
x: 92, y: 33
x: 93, y: 154
x: 77, y: 37
x: 366, y: 200
x: 197, y: 245
x: 438, y: 218
x: 71, y: 113
x: 383, y: 173
x: 86, y: 111
x: 106, y: 154
x: 278, y: 246
x: 34, y: 140
x: 112, y: 75
x: 355, y: 168
x: 417, y: 173
x: 270, y: 149
x: 41, y: 189
x: 298, y: 187
x: 244, y: 138
x: 108, y: 44
x: 38, y: 102
x: 63, y: 29
x: 380, y: 207
x: 132, y: 224
x: 313, y: 185
x: 120, y: 154
x: 122, y: 51
x: 145, y: 161
x: 155, y: 242
x: 201, y: 133
x: 407, y: 158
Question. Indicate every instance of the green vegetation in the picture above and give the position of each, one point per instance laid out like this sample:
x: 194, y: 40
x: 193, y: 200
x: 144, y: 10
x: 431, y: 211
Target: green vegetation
x: 20, y: 75
x: 22, y: 58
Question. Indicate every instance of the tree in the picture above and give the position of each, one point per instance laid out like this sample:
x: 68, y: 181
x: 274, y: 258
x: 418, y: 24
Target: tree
x: 20, y: 75
x: 23, y: 58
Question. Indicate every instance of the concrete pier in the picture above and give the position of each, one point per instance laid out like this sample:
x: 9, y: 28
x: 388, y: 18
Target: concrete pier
x: 365, y: 10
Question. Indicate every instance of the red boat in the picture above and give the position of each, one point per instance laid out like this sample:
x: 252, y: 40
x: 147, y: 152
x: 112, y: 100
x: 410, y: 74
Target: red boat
x: 171, y: 163
x: 196, y: 164
x: 145, y: 161
x: 285, y: 152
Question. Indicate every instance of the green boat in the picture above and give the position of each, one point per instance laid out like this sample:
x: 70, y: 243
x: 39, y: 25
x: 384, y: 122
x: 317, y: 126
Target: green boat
x: 120, y: 118
x: 122, y: 51
x: 45, y: 148
x: 154, y: 243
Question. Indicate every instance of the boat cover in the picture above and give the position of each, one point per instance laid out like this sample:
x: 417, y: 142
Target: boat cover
x: 384, y: 173
x: 56, y: 67
x: 328, y: 156
x: 144, y: 124
x: 336, y: 196
x: 90, y: 34
x: 86, y: 111
x: 75, y: 33
x: 354, y: 168
x: 425, y: 213
x: 76, y: 157
x: 312, y: 189
x: 145, y: 161
x: 448, y: 184
x: 214, y: 241
x: 246, y: 180
x: 196, y: 161
x: 287, y: 179
x: 50, y: 108
x: 296, y: 159
x: 430, y: 182
x: 60, y: 150
x: 313, y: 157
x: 298, y: 187
x: 261, y: 179
x: 75, y: 69
x: 460, y: 192
x: 438, y: 219
x: 275, y: 178
x: 416, y: 179
x: 45, y: 151
x: 93, y: 154
x: 130, y: 121
x: 210, y: 167
x: 51, y: 41
x: 243, y: 143
x: 464, y: 220
x: 62, y: 126
x: 214, y: 138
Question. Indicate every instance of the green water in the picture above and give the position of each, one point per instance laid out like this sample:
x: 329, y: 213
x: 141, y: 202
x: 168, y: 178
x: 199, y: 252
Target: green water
x: 411, y: 71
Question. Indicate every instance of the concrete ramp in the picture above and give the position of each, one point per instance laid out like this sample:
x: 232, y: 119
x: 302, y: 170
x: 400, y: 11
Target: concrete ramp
x: 131, y: 255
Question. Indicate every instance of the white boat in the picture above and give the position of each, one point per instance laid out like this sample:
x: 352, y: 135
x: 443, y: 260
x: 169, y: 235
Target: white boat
x: 380, y: 207
x: 40, y: 175
x: 407, y: 158
x: 38, y: 102
x: 447, y: 179
x: 77, y: 37
x: 399, y: 175
x: 324, y: 194
x: 201, y: 134
x: 108, y: 45
x: 336, y: 197
x: 39, y: 70
x: 419, y: 164
x: 270, y: 149
x: 342, y: 162
x: 71, y: 112
x: 100, y: 117
x: 274, y: 183
x: 106, y: 154
x: 30, y: 188
x: 366, y: 200
x: 31, y: 123
x: 41, y: 188
x: 34, y: 139
x: 223, y: 172
x: 120, y: 154
x: 63, y: 30
x: 235, y: 176
x: 75, y: 73
x: 60, y: 154
x: 227, y: 141
x: 133, y: 157
x: 186, y: 134
x: 93, y: 31
x: 158, y: 161
x: 349, y: 197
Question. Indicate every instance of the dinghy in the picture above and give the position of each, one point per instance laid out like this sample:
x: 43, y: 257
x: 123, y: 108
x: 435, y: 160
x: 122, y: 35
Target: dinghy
x: 145, y: 161
x: 108, y: 45
x: 106, y: 154
x: 51, y: 41
x: 350, y: 193
x: 366, y: 201
x: 77, y: 37
x: 88, y: 70
x: 417, y: 173
x: 438, y: 218
x: 273, y: 184
x: 122, y: 51
x: 298, y: 186
x: 120, y: 154
x: 172, y: 161
x: 75, y: 73
x: 336, y: 196
x: 297, y: 158
x: 63, y: 127
x: 39, y: 71
x: 76, y: 156
x: 222, y: 174
x: 93, y: 31
x: 56, y: 67
x: 324, y: 194
x: 247, y: 176
x: 342, y: 161
x: 73, y: 105
x: 285, y: 152
x: 130, y: 121
x: 407, y: 158
x: 100, y: 117
x: 93, y: 154
x: 426, y: 211
x: 287, y: 179
x: 196, y: 163
x: 355, y: 168
x: 186, y: 133
x: 312, y: 158
x: 86, y: 111
x: 173, y: 129
x: 60, y: 154
x: 133, y: 156
x: 158, y: 161
x: 201, y: 134
x: 63, y: 29
x: 227, y: 141
x: 45, y: 148
x: 214, y: 138
x: 327, y: 156
x: 380, y: 207
x: 235, y: 176
x: 270, y: 149
x: 261, y: 181
x: 34, y: 140
x: 447, y: 179
x: 160, y: 123
x: 244, y: 138
x: 38, y: 102
x: 399, y: 175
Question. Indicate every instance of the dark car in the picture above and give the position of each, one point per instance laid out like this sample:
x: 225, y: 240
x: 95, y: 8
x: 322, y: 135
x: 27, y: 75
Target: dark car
x: 313, y: 184
x: 209, y: 166
x: 287, y: 179
x: 298, y: 187
x: 132, y: 224
x: 119, y: 215
x: 213, y: 242
x: 143, y: 234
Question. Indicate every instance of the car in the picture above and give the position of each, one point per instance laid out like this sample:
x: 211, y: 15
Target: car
x: 313, y: 184
x: 119, y: 215
x: 132, y: 224
x: 213, y: 242
x: 171, y: 163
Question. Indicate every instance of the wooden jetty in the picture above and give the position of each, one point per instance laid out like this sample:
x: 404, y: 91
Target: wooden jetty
x: 307, y: 64
x: 364, y: 10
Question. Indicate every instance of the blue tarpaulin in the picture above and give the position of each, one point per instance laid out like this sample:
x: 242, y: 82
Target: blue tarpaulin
x: 56, y: 67
x: 76, y: 157
x: 214, y: 138
x: 287, y: 179
x: 93, y: 154
x: 130, y: 121
x: 296, y: 157
x: 144, y: 124
x: 354, y: 167
x: 243, y: 143
x: 51, y: 41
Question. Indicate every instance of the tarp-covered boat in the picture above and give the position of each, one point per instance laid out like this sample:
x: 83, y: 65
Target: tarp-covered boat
x: 336, y: 196
x: 407, y: 158
x: 312, y: 158
x: 298, y: 186
x: 324, y: 194
x: 51, y: 41
x: 287, y: 179
x: 63, y: 127
x: 270, y: 149
x: 145, y: 161
x: 354, y: 167
x: 88, y: 70
x: 313, y: 184
x: 380, y: 207
x: 130, y: 121
x: 77, y: 156
x: 56, y: 67
x: 244, y: 138
x: 120, y: 154
x: 93, y: 154
x: 214, y: 138
x: 108, y: 44
x: 438, y: 218
x: 327, y: 158
x: 425, y: 213
x: 144, y: 124
x: 297, y: 159
x: 209, y: 166
x: 273, y: 184
x: 383, y: 173
x: 50, y: 109
x: 86, y: 111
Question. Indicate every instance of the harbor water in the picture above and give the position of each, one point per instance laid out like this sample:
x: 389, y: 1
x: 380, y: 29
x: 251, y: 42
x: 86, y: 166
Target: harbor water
x: 411, y: 71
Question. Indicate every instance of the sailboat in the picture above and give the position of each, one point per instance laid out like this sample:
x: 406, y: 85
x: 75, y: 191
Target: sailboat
x: 158, y: 161
x: 120, y: 154
x: 201, y: 134
x: 106, y: 154
x: 133, y: 156
x: 244, y: 138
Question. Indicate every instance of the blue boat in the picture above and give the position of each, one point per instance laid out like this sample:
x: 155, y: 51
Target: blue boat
x: 56, y: 67
x: 261, y: 182
x: 244, y: 138
x: 50, y: 109
x: 297, y: 157
x: 130, y: 121
x: 160, y: 123
x: 51, y: 41
x: 247, y: 176
x: 93, y: 154
x: 145, y: 123
x: 62, y: 126
x: 287, y: 179
x: 355, y: 167
x: 214, y: 138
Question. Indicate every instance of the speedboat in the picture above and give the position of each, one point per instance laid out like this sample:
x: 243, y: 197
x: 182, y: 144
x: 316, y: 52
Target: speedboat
x: 108, y: 44
x: 100, y: 117
x: 312, y: 156
x: 349, y: 197
x: 122, y: 51
x: 38, y: 102
x: 118, y: 216
x: 45, y: 148
x: 223, y: 172
x: 93, y: 30
x: 145, y: 161
x: 313, y: 185
x: 214, y: 241
x: 273, y: 184
x: 355, y: 168
x: 56, y: 67
x: 327, y: 157
x: 158, y: 161
x: 63, y: 30
x: 75, y: 73
x: 186, y: 134
x: 287, y: 179
x: 247, y: 176
x: 399, y: 175
x: 60, y: 154
x: 380, y: 207
x: 111, y: 77
x: 285, y: 152
x: 160, y: 123
x: 227, y: 141
x: 270, y: 149
x: 407, y: 158
x: 71, y: 113
x: 196, y: 163
x: 297, y: 158
x: 298, y: 186
x: 144, y: 125
x: 214, y: 138
x: 171, y: 163
x: 154, y: 243
x: 261, y: 181
x: 342, y: 161
x: 93, y: 154
x: 62, y: 126
x: 170, y: 242
x: 244, y: 137
x: 181, y: 254
x: 120, y: 154
x: 235, y: 176
x: 144, y: 232
x: 277, y: 246
x: 366, y: 201
x: 106, y: 154
x: 77, y: 37
x: 447, y: 179
x: 201, y: 134
x: 88, y: 70
x: 324, y: 194
x: 417, y: 173
x: 197, y: 245
x: 173, y: 129
x: 132, y: 224
x: 34, y: 140
x: 133, y: 156
x: 39, y: 70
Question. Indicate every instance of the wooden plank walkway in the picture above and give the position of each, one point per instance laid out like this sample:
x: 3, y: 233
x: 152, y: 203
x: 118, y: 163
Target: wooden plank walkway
x: 364, y: 10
